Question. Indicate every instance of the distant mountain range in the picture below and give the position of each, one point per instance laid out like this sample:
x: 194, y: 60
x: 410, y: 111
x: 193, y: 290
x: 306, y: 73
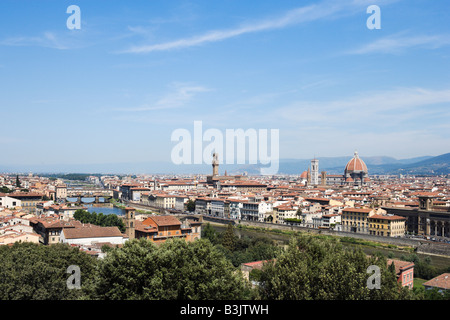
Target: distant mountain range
x: 426, y: 165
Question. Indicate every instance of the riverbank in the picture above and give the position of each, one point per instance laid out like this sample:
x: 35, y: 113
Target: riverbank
x: 117, y: 204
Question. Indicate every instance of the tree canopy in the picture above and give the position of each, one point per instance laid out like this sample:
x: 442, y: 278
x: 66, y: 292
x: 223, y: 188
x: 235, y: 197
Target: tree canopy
x: 315, y: 269
x: 36, y: 272
x: 99, y: 219
x: 175, y: 269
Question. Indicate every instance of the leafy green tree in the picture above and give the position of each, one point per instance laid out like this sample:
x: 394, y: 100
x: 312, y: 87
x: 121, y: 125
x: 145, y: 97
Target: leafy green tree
x: 299, y: 213
x: 173, y: 270
x: 249, y: 249
x: 4, y: 189
x: 190, y: 205
x: 36, y: 272
x: 321, y: 269
x: 17, y: 181
x: 229, y: 238
x: 99, y: 219
x: 208, y: 232
x: 422, y: 267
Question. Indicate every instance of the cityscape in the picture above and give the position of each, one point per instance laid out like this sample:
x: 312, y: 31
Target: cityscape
x: 225, y: 155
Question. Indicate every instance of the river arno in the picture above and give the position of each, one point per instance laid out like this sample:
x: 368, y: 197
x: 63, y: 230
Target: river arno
x: 105, y: 209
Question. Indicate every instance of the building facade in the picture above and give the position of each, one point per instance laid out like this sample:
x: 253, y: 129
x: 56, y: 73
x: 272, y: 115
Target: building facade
x: 387, y: 225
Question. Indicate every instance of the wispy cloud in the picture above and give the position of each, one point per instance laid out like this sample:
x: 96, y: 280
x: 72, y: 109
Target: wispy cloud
x: 386, y: 107
x: 179, y: 96
x: 398, y: 43
x: 47, y: 39
x: 296, y: 16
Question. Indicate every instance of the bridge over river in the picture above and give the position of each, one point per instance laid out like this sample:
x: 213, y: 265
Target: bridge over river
x: 96, y: 194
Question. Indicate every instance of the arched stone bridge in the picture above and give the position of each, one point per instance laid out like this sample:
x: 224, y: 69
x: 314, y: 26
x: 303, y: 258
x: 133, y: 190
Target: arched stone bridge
x: 89, y: 193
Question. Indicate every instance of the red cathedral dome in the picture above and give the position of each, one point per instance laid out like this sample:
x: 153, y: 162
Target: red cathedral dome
x: 356, y: 164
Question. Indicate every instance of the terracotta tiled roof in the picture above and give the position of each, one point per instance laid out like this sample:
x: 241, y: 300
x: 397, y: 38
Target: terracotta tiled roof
x: 91, y: 231
x: 400, y: 265
x: 381, y: 217
x: 356, y: 164
x: 357, y: 210
x: 166, y: 220
x: 442, y: 281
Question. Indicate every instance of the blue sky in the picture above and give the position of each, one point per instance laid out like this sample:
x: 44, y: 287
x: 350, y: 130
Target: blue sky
x: 116, y: 89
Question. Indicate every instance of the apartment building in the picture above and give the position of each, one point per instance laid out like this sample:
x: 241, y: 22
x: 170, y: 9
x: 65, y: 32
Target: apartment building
x: 282, y: 212
x: 159, y: 229
x: 234, y: 208
x: 387, y: 225
x: 203, y: 205
x: 160, y: 200
x: 356, y: 219
x: 255, y: 211
x: 10, y: 203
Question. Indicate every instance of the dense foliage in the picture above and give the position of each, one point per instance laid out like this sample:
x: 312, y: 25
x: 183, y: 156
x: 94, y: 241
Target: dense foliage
x: 318, y: 269
x: 308, y: 268
x: 190, y: 205
x: 423, y: 268
x: 99, y: 219
x: 241, y: 250
x: 4, y: 189
x: 175, y: 269
x: 36, y: 272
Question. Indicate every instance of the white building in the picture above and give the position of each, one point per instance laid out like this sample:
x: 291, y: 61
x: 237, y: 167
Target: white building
x: 235, y: 207
x: 203, y: 206
x: 310, y: 219
x: 177, y: 186
x: 283, y: 212
x: 8, y: 202
x: 255, y: 211
x: 217, y: 208
x: 329, y: 220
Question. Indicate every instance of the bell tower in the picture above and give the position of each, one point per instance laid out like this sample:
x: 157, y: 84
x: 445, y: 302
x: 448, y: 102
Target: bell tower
x: 130, y: 222
x: 315, y: 172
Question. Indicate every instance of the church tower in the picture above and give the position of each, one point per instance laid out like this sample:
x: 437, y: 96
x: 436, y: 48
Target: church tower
x: 130, y: 222
x: 315, y: 172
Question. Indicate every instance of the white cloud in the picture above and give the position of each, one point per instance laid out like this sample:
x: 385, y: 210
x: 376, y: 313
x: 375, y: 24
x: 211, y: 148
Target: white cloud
x: 47, y: 39
x: 179, y: 96
x: 397, y: 44
x: 402, y: 100
x: 299, y: 15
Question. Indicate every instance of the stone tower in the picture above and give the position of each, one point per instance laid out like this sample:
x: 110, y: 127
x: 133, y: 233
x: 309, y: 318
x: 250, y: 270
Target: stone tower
x: 314, y: 172
x: 215, y: 164
x: 130, y: 222
x: 323, y: 178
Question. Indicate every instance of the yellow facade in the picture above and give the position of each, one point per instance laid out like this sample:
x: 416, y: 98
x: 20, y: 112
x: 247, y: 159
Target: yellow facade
x: 388, y: 226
